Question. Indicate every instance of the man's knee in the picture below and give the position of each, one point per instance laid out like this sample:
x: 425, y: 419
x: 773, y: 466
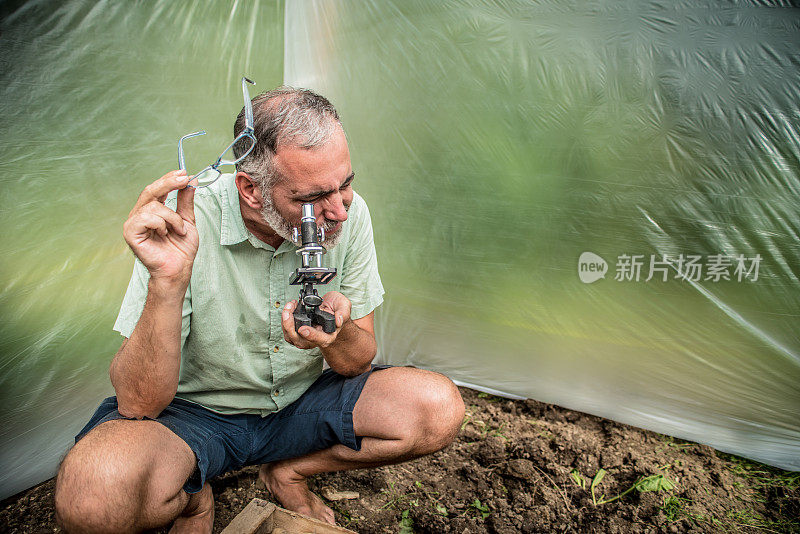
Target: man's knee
x: 106, y: 482
x: 441, y: 411
x: 96, y: 491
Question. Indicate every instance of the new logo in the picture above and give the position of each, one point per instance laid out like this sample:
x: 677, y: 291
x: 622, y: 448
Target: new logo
x: 591, y: 267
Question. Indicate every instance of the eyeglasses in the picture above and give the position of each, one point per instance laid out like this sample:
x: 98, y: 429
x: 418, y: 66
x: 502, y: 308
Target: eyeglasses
x: 210, y: 174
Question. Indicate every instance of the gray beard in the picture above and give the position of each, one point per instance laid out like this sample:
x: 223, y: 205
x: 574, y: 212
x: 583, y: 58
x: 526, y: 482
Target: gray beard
x: 284, y: 228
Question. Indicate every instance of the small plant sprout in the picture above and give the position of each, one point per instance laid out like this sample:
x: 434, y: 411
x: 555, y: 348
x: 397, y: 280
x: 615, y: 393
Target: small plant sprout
x: 467, y: 419
x: 483, y: 428
x: 406, y: 523
x: 578, y: 478
x: 673, y: 507
x: 645, y: 484
x: 498, y: 432
x: 396, y: 498
x: 481, y: 509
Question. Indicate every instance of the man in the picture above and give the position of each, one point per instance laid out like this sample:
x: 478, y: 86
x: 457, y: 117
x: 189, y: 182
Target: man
x: 212, y: 374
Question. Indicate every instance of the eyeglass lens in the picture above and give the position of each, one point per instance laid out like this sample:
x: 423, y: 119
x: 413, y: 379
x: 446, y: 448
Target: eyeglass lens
x: 207, y: 176
x: 244, y: 144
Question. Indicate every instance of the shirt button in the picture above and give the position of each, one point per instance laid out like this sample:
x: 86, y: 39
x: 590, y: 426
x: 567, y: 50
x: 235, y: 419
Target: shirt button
x: 275, y: 348
x: 276, y: 393
x: 277, y: 304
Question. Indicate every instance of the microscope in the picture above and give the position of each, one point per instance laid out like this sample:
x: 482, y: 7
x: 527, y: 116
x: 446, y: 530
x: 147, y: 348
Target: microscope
x: 311, y: 272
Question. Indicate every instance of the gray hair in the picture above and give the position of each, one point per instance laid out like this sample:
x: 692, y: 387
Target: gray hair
x: 285, y: 116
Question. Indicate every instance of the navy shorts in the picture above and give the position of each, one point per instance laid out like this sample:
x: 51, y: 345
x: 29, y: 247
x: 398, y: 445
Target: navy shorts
x: 320, y: 418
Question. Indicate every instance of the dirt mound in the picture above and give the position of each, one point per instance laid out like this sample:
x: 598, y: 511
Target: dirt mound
x: 525, y: 466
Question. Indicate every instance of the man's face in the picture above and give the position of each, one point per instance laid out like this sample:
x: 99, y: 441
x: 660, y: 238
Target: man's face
x: 322, y: 176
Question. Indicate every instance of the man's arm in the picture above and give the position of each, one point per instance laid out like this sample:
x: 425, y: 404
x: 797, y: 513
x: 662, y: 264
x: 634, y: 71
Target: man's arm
x: 145, y: 370
x: 349, y: 349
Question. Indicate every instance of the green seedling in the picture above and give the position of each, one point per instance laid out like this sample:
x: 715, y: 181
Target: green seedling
x: 467, y: 420
x: 673, y: 507
x: 761, y: 477
x: 430, y: 495
x: 644, y: 484
x: 671, y: 442
x: 484, y: 429
x: 481, y: 509
x: 440, y: 509
x: 488, y: 397
x: 406, y: 523
x: 578, y: 478
x: 752, y: 519
x: 546, y: 434
x: 397, y: 498
x: 498, y: 432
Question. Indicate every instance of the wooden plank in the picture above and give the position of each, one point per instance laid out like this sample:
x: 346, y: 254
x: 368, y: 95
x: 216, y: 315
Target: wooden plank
x: 256, y: 518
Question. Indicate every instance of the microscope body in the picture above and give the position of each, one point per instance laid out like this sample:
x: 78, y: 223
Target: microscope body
x: 311, y: 272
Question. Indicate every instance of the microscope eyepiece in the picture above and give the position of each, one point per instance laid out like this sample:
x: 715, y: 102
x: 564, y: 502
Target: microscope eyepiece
x: 308, y: 212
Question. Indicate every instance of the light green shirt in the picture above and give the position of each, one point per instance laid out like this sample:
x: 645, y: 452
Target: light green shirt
x: 233, y: 355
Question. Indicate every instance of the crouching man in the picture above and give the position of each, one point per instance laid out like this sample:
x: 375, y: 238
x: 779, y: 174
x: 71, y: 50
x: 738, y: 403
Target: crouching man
x: 213, y: 375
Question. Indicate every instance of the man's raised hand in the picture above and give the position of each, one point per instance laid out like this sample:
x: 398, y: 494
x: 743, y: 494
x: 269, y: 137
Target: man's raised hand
x: 165, y: 241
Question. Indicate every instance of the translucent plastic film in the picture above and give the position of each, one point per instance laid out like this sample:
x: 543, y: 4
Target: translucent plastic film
x: 94, y: 98
x: 591, y: 206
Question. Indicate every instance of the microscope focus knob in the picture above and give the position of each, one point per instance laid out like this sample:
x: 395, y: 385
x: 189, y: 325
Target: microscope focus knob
x: 312, y: 301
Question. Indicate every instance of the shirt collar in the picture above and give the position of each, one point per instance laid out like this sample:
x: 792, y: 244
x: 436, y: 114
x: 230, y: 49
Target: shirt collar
x: 233, y: 229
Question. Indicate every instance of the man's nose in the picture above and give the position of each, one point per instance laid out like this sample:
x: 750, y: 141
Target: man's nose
x: 333, y: 208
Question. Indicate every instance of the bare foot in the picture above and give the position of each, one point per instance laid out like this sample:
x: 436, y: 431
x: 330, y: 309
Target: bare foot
x: 291, y: 490
x: 198, y: 516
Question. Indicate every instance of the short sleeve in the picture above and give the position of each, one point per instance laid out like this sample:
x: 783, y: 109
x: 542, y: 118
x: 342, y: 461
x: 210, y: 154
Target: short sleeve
x: 133, y: 304
x: 361, y: 282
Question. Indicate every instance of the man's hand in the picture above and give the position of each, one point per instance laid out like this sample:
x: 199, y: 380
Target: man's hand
x: 145, y: 370
x: 165, y: 241
x: 308, y: 337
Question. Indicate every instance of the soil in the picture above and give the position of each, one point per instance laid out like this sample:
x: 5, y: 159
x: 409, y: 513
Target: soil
x: 526, y: 466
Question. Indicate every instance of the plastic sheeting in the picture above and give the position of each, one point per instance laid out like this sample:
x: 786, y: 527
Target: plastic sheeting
x: 94, y: 98
x: 495, y: 142
x: 529, y: 165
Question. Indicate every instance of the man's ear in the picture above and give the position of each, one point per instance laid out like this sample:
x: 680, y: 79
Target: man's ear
x: 249, y: 192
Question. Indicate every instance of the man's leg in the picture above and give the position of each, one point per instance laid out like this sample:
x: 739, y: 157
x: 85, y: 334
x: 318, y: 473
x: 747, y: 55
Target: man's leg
x: 402, y: 413
x: 127, y: 476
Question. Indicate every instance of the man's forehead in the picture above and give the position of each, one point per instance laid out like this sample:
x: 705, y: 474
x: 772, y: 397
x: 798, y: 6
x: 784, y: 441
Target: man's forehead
x: 304, y: 170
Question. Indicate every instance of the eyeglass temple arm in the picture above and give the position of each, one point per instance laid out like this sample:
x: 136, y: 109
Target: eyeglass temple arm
x: 181, y: 161
x: 248, y: 105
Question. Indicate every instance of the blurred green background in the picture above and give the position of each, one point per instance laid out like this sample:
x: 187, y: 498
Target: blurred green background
x: 494, y: 142
x: 498, y: 141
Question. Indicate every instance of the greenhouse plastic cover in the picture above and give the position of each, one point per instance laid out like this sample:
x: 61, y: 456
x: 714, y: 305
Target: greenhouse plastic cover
x: 595, y: 207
